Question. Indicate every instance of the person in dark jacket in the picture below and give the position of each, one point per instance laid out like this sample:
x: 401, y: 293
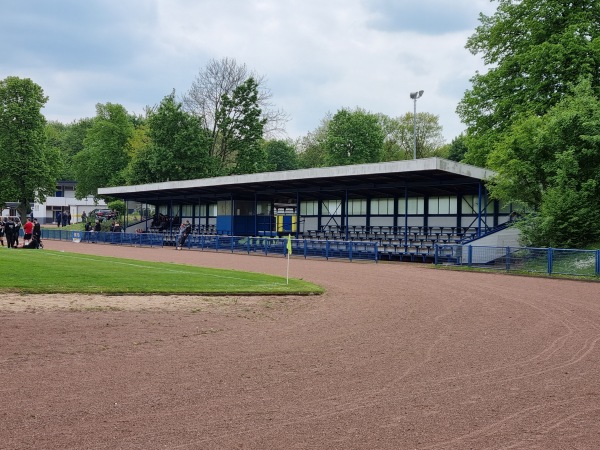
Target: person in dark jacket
x: 9, y: 228
x: 15, y: 233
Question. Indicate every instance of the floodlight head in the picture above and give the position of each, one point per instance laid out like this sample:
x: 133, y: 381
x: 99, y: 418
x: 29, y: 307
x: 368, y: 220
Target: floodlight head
x: 416, y: 95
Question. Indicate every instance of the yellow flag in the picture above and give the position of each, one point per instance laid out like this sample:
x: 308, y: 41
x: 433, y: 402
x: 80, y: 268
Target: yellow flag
x: 289, y: 244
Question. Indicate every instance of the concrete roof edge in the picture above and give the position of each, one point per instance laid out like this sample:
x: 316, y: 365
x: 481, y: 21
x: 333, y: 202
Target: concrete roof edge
x: 412, y: 165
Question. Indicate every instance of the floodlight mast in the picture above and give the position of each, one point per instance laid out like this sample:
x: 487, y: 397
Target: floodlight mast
x: 415, y: 95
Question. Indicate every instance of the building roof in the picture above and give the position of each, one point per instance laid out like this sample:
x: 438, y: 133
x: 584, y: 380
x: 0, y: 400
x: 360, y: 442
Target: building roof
x: 429, y: 176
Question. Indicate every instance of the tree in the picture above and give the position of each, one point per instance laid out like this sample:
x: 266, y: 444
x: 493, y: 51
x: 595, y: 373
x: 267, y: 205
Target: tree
x: 353, y: 137
x: 551, y: 165
x: 105, y: 156
x: 281, y: 155
x: 205, y: 100
x: 176, y: 147
x: 534, y: 49
x: 458, y: 148
x: 399, y: 142
x: 311, y: 148
x: 27, y: 165
x: 67, y: 139
x: 241, y: 130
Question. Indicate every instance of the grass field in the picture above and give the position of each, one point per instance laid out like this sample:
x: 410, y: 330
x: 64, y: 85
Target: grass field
x: 33, y: 271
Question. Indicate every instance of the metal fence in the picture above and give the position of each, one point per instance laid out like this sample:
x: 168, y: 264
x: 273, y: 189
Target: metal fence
x: 101, y: 237
x: 523, y: 259
x: 270, y: 246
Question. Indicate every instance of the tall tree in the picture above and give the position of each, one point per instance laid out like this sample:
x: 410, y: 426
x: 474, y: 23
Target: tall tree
x: 534, y: 50
x: 221, y: 77
x: 67, y: 139
x: 105, y: 156
x: 353, y: 137
x: 551, y: 165
x: 241, y: 130
x: 400, y: 136
x: 28, y: 167
x: 176, y: 147
x: 311, y: 148
x: 281, y: 155
x: 457, y: 148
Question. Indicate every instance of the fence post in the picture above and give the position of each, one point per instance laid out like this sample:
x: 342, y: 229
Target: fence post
x: 349, y: 245
x: 305, y: 248
x: 469, y: 255
x: 597, y: 262
x: 507, y: 259
x: 550, y: 261
x: 327, y: 249
x: 376, y: 253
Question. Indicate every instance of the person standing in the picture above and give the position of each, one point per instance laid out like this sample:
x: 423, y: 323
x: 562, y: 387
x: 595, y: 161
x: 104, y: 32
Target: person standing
x: 37, y: 231
x: 16, y: 232
x: 179, y: 236
x: 84, y: 217
x: 97, y: 229
x: 2, y: 231
x: 9, y: 227
x: 184, y: 231
x: 58, y: 218
x: 27, y: 231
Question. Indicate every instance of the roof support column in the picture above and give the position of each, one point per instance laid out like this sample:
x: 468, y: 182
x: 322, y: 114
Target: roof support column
x: 298, y: 215
x: 345, y: 217
x: 406, y: 218
x: 480, y: 194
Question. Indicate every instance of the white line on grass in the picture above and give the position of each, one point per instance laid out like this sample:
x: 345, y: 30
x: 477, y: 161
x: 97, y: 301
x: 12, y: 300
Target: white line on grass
x: 163, y: 269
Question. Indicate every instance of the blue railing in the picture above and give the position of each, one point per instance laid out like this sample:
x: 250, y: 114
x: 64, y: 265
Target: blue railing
x: 328, y: 249
x: 101, y: 237
x: 557, y: 261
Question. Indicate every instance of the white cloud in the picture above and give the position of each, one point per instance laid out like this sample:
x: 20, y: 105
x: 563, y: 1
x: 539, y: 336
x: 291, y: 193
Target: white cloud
x: 317, y: 56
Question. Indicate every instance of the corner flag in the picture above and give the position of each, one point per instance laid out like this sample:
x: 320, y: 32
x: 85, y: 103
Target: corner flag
x: 289, y: 252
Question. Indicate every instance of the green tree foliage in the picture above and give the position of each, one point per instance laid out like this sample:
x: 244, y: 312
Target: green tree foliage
x: 534, y: 50
x: 118, y: 206
x: 67, y: 139
x: 400, y: 136
x: 458, y: 148
x: 205, y: 100
x: 311, y: 148
x: 551, y: 165
x: 281, y: 155
x: 105, y: 156
x: 353, y: 137
x: 174, y: 146
x: 28, y: 167
x: 241, y: 130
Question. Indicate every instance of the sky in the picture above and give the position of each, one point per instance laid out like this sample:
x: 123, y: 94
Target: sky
x: 316, y: 56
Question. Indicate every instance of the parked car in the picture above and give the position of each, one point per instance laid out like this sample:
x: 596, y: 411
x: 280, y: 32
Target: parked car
x: 103, y: 214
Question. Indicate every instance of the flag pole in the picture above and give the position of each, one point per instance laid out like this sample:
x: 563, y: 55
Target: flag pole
x: 289, y: 252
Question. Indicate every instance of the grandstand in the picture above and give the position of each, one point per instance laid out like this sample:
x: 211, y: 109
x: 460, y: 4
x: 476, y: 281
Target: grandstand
x: 406, y: 207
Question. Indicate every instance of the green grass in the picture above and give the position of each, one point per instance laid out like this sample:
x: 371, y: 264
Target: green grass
x: 46, y: 271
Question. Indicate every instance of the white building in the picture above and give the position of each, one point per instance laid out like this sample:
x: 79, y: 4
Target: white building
x: 63, y: 201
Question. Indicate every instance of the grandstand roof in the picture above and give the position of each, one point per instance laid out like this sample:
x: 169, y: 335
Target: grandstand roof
x: 429, y: 176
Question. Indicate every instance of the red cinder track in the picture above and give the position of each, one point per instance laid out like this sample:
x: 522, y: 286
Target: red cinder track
x: 392, y: 356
